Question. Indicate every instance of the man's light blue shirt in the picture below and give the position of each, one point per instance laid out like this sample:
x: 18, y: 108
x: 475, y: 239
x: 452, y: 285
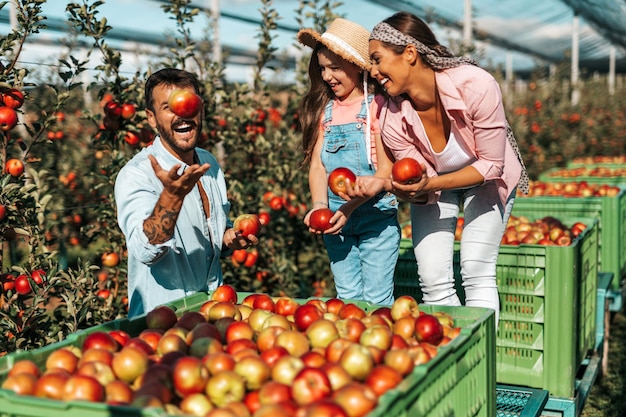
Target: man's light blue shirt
x: 190, y: 261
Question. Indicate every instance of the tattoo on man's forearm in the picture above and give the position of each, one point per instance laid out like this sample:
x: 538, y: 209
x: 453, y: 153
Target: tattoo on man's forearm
x: 159, y: 227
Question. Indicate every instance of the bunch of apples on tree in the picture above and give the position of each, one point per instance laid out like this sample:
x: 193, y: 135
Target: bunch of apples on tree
x: 263, y: 356
x: 11, y: 99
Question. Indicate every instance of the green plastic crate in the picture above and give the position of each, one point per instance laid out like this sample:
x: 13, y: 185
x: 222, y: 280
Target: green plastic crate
x: 609, y: 165
x: 459, y: 381
x: 611, y: 213
x: 556, y: 175
x: 547, y: 308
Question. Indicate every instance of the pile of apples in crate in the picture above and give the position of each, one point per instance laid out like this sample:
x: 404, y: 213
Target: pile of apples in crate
x: 571, y: 189
x: 262, y: 356
x: 544, y: 231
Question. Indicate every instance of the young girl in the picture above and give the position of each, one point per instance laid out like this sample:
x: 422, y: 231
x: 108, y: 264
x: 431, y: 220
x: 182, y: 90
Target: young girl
x: 340, y: 129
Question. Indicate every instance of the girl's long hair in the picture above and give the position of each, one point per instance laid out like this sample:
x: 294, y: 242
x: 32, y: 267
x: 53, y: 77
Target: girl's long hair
x: 315, y: 100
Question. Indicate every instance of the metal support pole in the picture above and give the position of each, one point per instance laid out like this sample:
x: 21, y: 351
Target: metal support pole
x: 575, y: 52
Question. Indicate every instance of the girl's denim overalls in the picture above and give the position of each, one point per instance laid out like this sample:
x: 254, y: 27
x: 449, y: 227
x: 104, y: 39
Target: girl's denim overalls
x: 363, y: 256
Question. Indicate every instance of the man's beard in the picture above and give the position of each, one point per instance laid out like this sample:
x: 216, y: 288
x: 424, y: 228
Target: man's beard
x: 167, y: 135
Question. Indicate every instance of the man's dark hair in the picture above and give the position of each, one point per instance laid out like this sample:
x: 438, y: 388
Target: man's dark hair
x: 169, y: 76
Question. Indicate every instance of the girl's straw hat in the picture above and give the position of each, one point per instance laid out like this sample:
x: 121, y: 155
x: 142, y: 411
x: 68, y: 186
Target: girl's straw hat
x: 344, y: 38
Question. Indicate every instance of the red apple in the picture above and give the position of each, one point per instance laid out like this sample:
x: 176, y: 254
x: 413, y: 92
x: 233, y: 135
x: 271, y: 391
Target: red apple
x: 357, y: 360
x: 277, y: 320
x: 185, y: 103
x: 239, y: 330
x: 320, y: 219
x: 96, y: 354
x: 118, y: 393
x: 339, y: 178
x: 266, y: 337
x: 350, y: 328
x: 285, y: 306
x: 218, y: 361
x: 254, y: 371
x: 189, y: 376
x: 336, y: 348
x: 305, y: 315
x: 247, y: 224
x: 197, y: 404
x: 128, y: 110
x: 8, y: 118
x: 294, y: 341
x: 383, y: 378
x: 99, y: 370
x: 357, y: 399
x: 379, y: 336
x: 351, y: 310
x: 202, y: 330
x: 273, y: 392
x: 225, y: 292
x: 333, y: 305
x: 263, y: 302
x: 337, y: 375
x: 13, y: 98
x: 383, y: 312
x: 404, y: 305
x: 62, y: 358
x: 129, y: 363
x: 225, y: 387
x: 161, y: 317
x: 190, y: 319
x: 14, y: 166
x: 406, y: 171
x: 321, y: 332
x: 22, y: 383
x: 310, y: 385
x: 223, y: 309
x: 286, y: 368
x: 38, y: 276
x: 171, y: 342
x: 51, y: 385
x: 84, y: 388
x: 113, y: 109
x: 400, y: 360
x: 100, y: 339
x: 272, y: 354
x: 25, y: 366
x: 428, y: 329
x: 326, y: 407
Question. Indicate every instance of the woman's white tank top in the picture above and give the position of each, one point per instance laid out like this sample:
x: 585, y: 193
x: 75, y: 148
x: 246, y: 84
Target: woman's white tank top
x: 453, y: 157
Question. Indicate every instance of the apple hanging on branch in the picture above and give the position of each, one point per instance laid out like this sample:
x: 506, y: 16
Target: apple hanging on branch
x: 8, y: 118
x: 339, y: 179
x: 406, y: 171
x: 184, y: 103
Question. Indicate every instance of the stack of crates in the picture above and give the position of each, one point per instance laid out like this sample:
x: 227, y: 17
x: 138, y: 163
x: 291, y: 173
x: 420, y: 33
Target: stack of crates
x: 459, y: 380
x: 548, y: 297
x: 611, y: 214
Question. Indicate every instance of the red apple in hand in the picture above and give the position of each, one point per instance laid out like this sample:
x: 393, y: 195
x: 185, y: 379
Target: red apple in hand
x: 320, y: 219
x: 184, y: 103
x: 339, y: 179
x: 247, y: 224
x: 406, y: 171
